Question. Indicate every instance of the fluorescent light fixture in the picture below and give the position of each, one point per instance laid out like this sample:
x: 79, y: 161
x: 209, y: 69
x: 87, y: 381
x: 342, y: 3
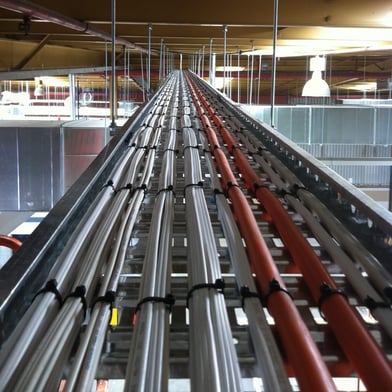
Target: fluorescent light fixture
x: 360, y: 49
x: 386, y: 20
x: 365, y: 86
x: 54, y: 81
x: 230, y: 69
x: 300, y: 51
x: 283, y: 51
x: 329, y: 40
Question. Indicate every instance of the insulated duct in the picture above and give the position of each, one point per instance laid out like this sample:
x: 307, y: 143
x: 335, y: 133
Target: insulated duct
x: 31, y: 10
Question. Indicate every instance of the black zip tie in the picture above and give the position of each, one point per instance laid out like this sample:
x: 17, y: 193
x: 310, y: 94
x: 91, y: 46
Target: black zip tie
x: 258, y: 153
x: 50, y: 287
x: 108, y: 298
x: 246, y: 293
x: 230, y: 185
x: 171, y: 149
x: 126, y: 187
x: 186, y: 147
x: 169, y: 300
x: 142, y: 187
x: 325, y: 292
x: 388, y: 292
x: 257, y: 186
x: 200, y: 184
x: 168, y: 189
x: 219, y: 285
x: 295, y: 188
x: 79, y: 292
x: 371, y: 304
x: 146, y: 147
x: 110, y: 185
x: 283, y: 192
x: 275, y: 286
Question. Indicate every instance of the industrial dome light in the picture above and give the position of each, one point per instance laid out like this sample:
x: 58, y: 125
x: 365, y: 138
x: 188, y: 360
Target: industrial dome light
x: 316, y: 86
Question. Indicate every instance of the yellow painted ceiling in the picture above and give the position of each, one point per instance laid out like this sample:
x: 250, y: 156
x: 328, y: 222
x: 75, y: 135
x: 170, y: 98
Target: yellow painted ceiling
x: 355, y: 35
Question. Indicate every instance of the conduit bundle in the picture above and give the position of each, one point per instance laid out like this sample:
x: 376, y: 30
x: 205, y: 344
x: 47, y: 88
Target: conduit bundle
x: 271, y: 367
x: 348, y: 329
x: 85, y: 362
x: 314, y: 375
x: 310, y: 207
x: 213, y: 360
x: 147, y: 368
x: 31, y: 330
x: 46, y: 334
x: 145, y: 206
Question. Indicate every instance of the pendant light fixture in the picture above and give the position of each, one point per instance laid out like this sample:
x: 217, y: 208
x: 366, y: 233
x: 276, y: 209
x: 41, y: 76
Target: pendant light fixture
x: 316, y: 86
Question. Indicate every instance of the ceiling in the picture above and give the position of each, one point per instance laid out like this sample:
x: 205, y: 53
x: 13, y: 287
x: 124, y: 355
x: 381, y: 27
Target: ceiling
x: 354, y: 35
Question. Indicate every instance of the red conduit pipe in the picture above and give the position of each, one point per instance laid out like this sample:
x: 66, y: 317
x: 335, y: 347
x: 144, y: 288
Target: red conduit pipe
x: 359, y: 346
x: 10, y: 242
x: 309, y: 367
